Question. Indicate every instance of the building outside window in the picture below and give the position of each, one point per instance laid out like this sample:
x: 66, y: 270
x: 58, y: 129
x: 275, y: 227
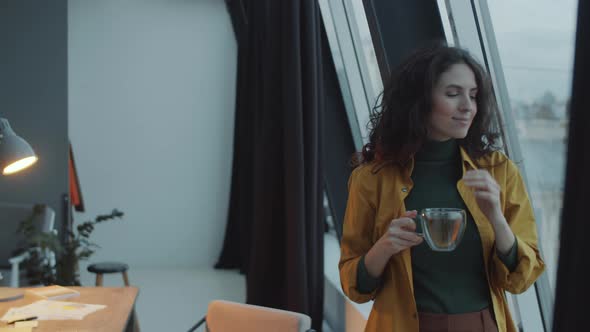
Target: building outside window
x: 537, y: 60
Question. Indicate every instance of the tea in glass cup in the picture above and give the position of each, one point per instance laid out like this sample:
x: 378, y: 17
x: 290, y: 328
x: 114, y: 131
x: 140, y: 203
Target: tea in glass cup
x: 443, y: 227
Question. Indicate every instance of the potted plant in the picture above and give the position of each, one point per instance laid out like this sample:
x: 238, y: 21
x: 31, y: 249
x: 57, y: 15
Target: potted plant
x: 76, y: 247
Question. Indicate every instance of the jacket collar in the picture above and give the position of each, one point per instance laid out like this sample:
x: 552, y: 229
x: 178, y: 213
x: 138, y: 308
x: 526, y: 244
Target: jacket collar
x: 379, y: 165
x: 467, y: 161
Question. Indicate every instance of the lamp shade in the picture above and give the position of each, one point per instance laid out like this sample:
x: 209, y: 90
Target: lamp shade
x: 15, y: 153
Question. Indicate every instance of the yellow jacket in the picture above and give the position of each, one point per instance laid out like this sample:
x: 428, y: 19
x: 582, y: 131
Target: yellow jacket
x: 376, y: 196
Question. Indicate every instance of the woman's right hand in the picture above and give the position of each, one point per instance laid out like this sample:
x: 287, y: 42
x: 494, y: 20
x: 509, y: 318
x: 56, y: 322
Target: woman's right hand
x: 400, y: 235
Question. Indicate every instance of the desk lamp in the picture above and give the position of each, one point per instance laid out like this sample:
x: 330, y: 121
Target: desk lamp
x: 15, y: 155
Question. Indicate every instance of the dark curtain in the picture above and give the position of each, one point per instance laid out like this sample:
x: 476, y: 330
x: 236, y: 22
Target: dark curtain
x: 573, y: 289
x: 275, y: 224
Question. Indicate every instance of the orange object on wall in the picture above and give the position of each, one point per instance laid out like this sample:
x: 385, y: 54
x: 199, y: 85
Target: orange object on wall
x: 75, y: 191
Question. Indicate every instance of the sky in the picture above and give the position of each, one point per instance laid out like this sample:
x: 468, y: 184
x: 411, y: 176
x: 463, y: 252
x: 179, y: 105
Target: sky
x: 536, y: 40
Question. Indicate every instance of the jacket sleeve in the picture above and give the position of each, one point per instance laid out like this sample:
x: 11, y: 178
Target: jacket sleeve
x: 519, y: 214
x: 357, y: 233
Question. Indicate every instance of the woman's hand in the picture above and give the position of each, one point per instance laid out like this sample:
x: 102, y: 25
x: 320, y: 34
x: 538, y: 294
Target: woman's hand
x: 487, y: 193
x: 400, y: 235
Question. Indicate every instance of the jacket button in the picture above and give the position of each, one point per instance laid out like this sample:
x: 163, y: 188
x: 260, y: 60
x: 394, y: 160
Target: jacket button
x: 404, y: 189
x: 415, y: 316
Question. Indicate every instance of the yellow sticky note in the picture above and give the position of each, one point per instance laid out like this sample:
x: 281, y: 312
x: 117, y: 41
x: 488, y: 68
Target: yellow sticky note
x: 32, y: 323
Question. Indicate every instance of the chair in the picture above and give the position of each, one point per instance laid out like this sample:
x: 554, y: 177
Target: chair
x: 227, y: 316
x: 109, y: 267
x: 11, y: 215
x: 113, y: 267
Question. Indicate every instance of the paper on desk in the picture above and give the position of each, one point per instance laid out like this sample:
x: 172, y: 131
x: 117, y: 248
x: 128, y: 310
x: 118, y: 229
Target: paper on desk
x: 31, y: 323
x: 16, y: 329
x: 52, y: 310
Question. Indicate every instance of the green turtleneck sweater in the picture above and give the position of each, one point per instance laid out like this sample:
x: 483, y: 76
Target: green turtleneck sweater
x: 444, y: 282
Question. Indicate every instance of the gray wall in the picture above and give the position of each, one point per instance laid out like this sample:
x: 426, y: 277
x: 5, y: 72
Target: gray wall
x: 33, y: 97
x: 151, y: 113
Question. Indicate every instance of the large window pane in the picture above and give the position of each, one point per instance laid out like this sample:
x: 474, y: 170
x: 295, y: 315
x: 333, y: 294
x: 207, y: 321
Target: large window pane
x: 535, y: 40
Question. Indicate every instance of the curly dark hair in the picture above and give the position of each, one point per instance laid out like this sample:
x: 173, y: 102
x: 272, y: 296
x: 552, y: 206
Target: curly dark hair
x: 398, y: 123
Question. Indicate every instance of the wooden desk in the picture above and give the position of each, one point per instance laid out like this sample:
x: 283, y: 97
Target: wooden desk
x: 117, y: 316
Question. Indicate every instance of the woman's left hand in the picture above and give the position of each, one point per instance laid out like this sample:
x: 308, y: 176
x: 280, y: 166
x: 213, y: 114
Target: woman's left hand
x: 487, y: 193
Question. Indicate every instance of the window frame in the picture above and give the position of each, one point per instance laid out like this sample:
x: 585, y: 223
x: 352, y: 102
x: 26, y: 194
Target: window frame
x: 337, y: 22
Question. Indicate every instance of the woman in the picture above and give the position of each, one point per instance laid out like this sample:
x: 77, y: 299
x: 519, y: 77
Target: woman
x: 432, y: 144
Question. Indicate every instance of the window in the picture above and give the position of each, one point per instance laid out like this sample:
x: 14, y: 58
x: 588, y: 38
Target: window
x: 530, y: 63
x: 355, y: 61
x: 538, y: 76
x: 359, y: 83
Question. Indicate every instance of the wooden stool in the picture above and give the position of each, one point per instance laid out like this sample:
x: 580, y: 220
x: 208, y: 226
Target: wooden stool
x: 109, y: 267
x: 113, y: 267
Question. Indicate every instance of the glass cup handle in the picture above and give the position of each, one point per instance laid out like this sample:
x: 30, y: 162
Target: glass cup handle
x: 419, y: 219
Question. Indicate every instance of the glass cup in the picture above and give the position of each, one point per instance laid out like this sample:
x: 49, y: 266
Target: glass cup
x: 442, y: 228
